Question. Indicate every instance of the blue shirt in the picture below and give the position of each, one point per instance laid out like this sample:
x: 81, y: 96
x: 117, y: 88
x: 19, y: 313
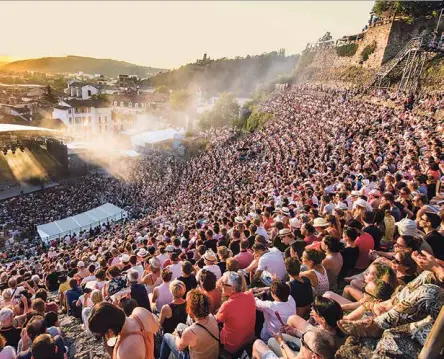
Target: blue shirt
x: 73, y: 295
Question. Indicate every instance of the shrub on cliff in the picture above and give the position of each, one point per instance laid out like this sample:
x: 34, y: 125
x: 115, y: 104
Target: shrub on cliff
x: 368, y: 50
x: 258, y: 119
x: 347, y: 50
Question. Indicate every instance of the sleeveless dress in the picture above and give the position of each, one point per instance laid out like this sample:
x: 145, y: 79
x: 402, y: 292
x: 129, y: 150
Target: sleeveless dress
x: 157, y: 282
x: 323, y: 284
x: 148, y: 339
x: 179, y: 315
x: 164, y: 297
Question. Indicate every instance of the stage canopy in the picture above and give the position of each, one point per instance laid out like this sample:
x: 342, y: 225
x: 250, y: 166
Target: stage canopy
x: 82, y: 221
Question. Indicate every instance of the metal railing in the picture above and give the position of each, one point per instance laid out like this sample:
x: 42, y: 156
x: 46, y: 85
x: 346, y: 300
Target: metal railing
x: 413, y: 44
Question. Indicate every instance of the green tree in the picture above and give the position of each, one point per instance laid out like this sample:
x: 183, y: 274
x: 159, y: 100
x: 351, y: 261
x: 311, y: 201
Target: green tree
x: 258, y: 119
x: 224, y: 112
x: 49, y: 95
x: 180, y: 100
x: 410, y: 9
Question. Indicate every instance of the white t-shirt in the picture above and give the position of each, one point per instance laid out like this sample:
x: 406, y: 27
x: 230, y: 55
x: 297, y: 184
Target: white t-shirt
x: 273, y: 262
x: 162, y: 258
x: 176, y: 269
x: 139, y: 269
x: 90, y: 278
x: 212, y: 268
x: 8, y: 352
x: 271, y: 322
x: 87, y: 303
x: 329, y: 208
x: 262, y: 232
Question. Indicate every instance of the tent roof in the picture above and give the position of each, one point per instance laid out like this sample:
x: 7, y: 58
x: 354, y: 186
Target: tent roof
x: 82, y: 221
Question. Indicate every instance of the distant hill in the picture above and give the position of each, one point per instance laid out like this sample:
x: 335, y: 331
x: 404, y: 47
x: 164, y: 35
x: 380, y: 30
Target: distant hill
x: 240, y: 75
x: 73, y: 64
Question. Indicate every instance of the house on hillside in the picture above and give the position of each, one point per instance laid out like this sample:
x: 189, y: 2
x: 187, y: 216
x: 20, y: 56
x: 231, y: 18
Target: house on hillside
x: 89, y: 116
x: 81, y: 90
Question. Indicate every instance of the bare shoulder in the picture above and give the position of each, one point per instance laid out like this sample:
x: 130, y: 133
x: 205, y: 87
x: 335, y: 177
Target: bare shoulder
x: 148, y: 319
x: 132, y: 347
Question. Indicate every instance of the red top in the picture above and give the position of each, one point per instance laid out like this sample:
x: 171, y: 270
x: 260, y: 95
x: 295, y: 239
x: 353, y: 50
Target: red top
x: 238, y: 314
x: 364, y: 242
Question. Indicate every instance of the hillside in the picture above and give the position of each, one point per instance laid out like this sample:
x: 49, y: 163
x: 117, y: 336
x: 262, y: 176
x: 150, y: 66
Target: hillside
x: 73, y: 64
x: 239, y: 75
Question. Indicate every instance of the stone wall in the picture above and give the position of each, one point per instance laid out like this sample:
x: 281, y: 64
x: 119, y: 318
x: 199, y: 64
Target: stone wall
x: 326, y: 65
x: 401, y: 33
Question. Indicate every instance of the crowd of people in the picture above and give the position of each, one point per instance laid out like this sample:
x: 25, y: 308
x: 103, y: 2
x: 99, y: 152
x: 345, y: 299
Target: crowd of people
x: 325, y: 241
x: 133, y: 185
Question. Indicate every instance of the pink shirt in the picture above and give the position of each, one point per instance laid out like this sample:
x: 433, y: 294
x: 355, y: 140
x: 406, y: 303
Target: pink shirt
x: 244, y: 259
x: 238, y: 314
x: 364, y: 242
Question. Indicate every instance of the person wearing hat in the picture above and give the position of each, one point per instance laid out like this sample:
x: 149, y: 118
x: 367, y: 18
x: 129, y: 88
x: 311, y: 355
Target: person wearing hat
x: 320, y: 225
x: 374, y: 198
x: 284, y: 240
x: 360, y: 206
x: 124, y: 262
x: 210, y: 260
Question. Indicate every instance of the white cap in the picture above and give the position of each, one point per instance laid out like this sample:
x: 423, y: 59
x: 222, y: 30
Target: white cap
x: 80, y: 264
x: 125, y: 258
x: 92, y: 258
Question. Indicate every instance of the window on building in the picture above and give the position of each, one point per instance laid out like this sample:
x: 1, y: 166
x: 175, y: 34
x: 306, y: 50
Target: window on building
x: 89, y: 93
x: 121, y: 104
x: 70, y: 120
x: 130, y: 104
x: 100, y: 119
x: 115, y: 103
x: 136, y: 105
x: 106, y: 118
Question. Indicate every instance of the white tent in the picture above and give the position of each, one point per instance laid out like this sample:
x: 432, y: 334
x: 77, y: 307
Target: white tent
x: 82, y: 221
x: 152, y: 137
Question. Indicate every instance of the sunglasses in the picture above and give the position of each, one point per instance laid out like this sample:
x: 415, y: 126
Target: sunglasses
x: 304, y: 344
x: 395, y: 261
x: 371, y: 295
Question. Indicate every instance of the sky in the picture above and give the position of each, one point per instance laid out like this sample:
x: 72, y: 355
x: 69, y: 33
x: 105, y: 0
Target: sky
x: 169, y: 34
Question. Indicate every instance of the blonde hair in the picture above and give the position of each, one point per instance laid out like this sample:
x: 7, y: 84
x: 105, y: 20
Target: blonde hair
x: 7, y: 294
x: 177, y: 288
x: 96, y: 296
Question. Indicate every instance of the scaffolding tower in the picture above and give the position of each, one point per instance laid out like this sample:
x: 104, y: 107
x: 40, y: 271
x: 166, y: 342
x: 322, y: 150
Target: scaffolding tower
x: 407, y: 64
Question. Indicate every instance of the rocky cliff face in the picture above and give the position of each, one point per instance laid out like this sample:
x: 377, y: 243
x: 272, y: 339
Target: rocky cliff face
x: 80, y: 344
x: 326, y: 66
